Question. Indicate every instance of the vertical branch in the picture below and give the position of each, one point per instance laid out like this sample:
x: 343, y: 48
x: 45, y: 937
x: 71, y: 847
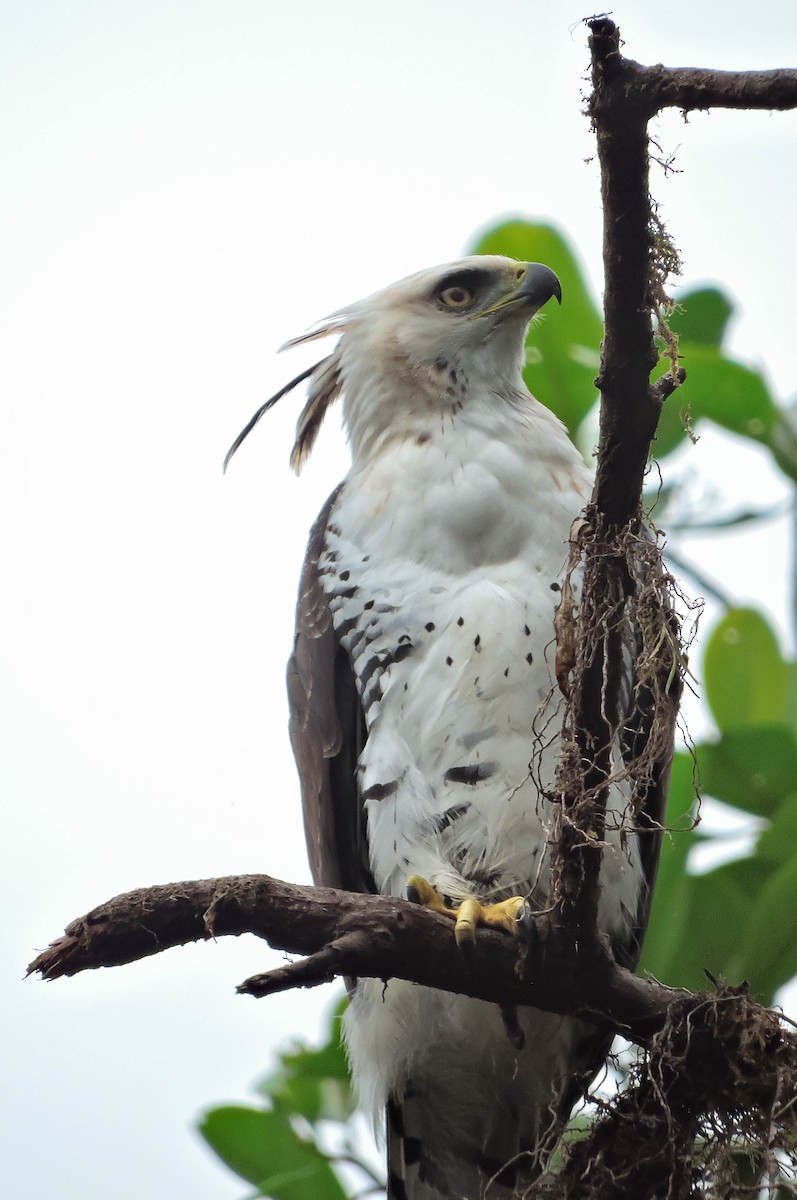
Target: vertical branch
x: 629, y: 407
x: 609, y: 543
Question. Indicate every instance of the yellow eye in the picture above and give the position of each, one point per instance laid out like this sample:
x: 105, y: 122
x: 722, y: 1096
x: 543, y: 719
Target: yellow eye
x: 456, y: 297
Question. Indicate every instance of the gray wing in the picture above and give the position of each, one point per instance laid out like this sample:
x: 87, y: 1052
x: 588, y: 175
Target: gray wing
x: 651, y: 820
x: 327, y: 732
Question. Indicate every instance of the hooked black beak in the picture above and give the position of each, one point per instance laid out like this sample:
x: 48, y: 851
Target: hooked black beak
x: 535, y: 286
x: 538, y: 286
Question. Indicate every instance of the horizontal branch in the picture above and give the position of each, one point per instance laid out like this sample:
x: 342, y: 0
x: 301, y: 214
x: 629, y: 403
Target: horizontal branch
x: 651, y: 88
x: 690, y: 88
x: 348, y: 934
x: 720, y: 1053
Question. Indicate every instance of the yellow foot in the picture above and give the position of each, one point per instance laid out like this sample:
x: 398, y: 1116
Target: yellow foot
x: 470, y: 914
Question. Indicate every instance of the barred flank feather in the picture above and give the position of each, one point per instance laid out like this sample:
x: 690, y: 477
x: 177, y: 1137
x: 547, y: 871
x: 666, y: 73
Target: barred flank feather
x: 430, y: 1158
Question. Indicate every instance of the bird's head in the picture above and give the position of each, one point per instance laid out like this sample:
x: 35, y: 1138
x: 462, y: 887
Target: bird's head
x: 419, y: 347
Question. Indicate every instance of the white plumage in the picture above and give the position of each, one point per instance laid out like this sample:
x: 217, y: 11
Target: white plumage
x: 431, y: 584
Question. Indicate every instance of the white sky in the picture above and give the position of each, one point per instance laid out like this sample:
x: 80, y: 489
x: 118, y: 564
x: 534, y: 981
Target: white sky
x: 185, y: 185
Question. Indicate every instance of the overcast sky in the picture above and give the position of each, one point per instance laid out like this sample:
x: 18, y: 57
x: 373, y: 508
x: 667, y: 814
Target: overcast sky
x: 184, y: 186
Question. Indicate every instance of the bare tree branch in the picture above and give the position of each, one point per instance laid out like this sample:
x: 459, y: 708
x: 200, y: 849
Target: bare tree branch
x: 617, y: 569
x: 346, y: 933
x: 646, y: 1144
x: 718, y: 1052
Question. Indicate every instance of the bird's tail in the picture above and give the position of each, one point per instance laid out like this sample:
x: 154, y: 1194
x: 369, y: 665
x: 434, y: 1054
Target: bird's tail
x: 474, y: 1104
x: 432, y: 1157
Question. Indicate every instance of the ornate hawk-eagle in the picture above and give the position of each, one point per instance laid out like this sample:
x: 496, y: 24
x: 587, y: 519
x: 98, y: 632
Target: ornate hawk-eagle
x: 423, y: 664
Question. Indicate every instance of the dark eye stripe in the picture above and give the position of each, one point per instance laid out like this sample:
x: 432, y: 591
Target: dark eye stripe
x: 472, y: 279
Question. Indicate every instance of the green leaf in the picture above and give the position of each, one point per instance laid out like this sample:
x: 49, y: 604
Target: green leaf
x: 783, y: 441
x: 328, y: 1062
x: 262, y: 1148
x: 778, y: 842
x: 670, y: 913
x: 791, y: 704
x: 701, y: 316
x: 718, y: 904
x: 312, y: 1082
x: 304, y: 1097
x: 731, y: 395
x: 728, y: 393
x: 747, y: 680
x: 564, y: 347
x: 767, y: 951
x: 676, y: 416
x: 722, y: 901
x: 750, y: 768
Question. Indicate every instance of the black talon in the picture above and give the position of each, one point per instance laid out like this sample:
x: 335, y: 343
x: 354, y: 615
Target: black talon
x: 526, y: 930
x: 512, y: 1025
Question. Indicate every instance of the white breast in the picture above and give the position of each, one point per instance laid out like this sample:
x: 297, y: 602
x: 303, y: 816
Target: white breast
x: 442, y: 568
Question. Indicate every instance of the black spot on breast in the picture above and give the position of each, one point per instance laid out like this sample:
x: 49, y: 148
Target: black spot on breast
x: 526, y: 629
x: 441, y: 364
x: 506, y: 673
x: 449, y: 661
x: 477, y: 641
x: 555, y: 587
x: 380, y: 791
x: 529, y: 658
x: 369, y: 604
x: 429, y: 626
x: 472, y: 774
x: 344, y: 575
x: 444, y: 819
x: 460, y: 620
x: 469, y: 740
x: 452, y: 375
